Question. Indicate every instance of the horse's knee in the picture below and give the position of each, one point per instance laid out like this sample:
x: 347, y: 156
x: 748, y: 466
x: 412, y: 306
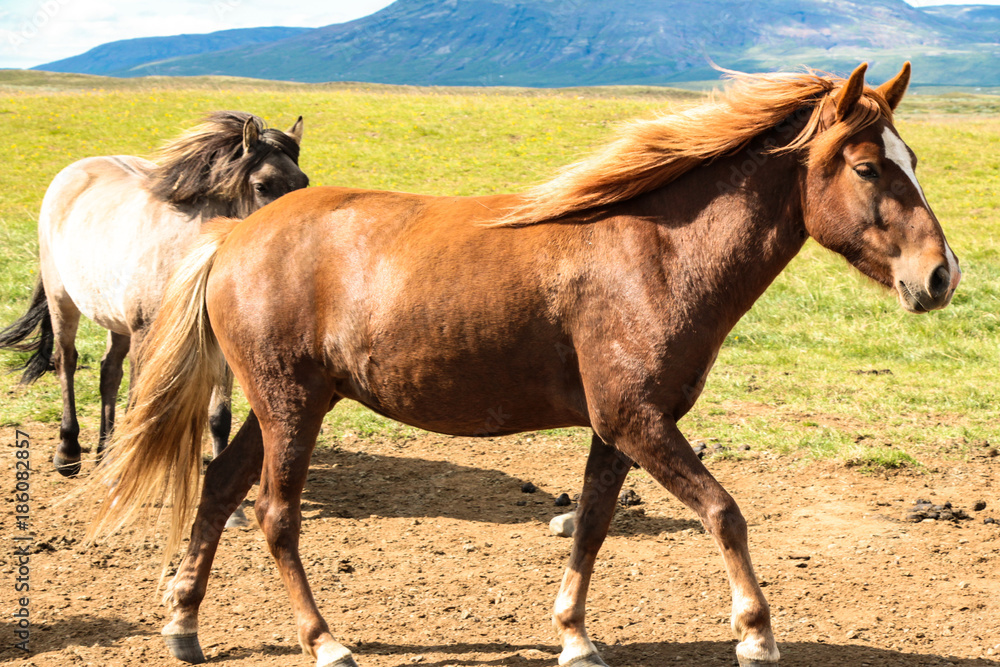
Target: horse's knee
x: 724, y: 520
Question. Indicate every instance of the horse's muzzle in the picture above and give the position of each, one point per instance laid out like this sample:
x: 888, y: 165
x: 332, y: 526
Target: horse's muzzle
x: 933, y: 292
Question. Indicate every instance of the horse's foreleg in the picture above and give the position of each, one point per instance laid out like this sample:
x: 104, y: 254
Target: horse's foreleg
x: 227, y: 480
x: 669, y: 458
x: 605, y: 473
x: 111, y: 380
x: 65, y: 320
x: 288, y: 445
x: 220, y: 420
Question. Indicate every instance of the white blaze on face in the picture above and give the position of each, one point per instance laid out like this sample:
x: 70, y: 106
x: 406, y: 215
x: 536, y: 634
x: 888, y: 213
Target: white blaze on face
x: 896, y: 151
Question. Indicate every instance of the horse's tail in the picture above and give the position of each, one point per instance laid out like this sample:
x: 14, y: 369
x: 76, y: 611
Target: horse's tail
x: 155, y: 453
x: 15, y: 336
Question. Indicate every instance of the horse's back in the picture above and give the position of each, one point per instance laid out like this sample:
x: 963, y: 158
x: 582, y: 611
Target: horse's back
x: 105, y: 241
x: 392, y: 292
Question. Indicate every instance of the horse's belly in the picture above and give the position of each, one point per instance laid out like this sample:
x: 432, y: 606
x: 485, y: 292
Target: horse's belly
x: 102, y: 299
x: 457, y: 415
x: 491, y: 394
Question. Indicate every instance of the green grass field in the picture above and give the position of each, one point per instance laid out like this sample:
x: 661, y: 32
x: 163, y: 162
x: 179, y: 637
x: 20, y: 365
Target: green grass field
x: 794, y: 376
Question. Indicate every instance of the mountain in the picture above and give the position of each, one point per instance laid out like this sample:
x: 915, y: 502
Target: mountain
x: 593, y: 42
x: 118, y: 58
x: 983, y: 18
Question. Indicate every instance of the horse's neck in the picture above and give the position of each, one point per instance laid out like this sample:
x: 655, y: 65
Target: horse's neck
x: 731, y: 228
x: 208, y: 209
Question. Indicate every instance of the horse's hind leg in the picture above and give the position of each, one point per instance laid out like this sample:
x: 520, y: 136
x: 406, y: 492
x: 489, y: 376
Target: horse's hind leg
x: 227, y: 480
x: 111, y: 380
x: 65, y: 321
x: 220, y: 422
x: 605, y: 473
x: 288, y: 446
x: 220, y: 412
x: 666, y: 455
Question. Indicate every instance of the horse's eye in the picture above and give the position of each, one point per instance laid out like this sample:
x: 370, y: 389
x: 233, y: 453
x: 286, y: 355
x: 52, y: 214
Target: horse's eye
x: 259, y: 187
x: 867, y: 171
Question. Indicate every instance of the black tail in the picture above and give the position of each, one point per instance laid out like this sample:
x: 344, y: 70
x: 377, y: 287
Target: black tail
x: 14, y: 337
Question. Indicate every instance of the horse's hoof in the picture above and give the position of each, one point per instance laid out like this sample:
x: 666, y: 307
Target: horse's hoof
x: 66, y: 467
x: 346, y: 661
x: 237, y: 519
x: 185, y: 647
x: 592, y: 660
x: 755, y: 663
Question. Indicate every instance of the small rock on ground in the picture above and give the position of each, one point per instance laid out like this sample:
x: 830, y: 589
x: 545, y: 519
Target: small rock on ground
x: 563, y: 525
x: 629, y: 498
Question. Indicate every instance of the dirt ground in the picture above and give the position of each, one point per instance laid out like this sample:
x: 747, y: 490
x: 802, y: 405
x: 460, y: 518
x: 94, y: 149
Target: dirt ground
x: 427, y: 552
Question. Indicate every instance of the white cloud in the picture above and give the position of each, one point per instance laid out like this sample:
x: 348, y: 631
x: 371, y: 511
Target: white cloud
x: 33, y: 32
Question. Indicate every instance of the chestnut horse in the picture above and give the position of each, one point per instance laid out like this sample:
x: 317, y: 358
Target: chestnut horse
x: 111, y: 231
x: 600, y: 299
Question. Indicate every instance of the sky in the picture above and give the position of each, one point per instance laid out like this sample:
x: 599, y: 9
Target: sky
x: 33, y: 32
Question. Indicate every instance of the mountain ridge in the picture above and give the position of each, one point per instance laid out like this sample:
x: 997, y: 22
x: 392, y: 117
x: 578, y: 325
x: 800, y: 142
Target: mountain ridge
x: 117, y: 58
x: 550, y: 43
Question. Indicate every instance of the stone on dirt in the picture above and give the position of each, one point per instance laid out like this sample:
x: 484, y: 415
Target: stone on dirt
x: 629, y: 498
x: 924, y: 510
x: 562, y: 500
x: 528, y: 487
x: 563, y: 525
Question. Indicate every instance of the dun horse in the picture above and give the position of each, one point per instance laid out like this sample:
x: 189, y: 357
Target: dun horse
x: 110, y: 233
x: 599, y: 299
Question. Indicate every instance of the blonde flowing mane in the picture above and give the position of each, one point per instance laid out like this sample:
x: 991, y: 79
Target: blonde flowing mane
x: 649, y: 154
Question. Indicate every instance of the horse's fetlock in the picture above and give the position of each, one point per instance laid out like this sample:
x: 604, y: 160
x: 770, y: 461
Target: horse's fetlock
x: 751, y: 620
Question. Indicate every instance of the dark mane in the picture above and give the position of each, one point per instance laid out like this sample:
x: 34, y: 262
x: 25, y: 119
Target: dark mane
x: 208, y: 160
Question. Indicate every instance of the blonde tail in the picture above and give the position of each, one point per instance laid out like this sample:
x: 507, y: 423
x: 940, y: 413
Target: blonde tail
x: 155, y: 454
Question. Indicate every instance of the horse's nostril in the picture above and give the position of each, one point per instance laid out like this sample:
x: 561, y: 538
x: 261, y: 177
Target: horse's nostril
x: 940, y: 280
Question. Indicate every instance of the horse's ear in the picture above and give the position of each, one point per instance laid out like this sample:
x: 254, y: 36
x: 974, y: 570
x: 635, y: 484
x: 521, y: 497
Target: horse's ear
x: 251, y: 134
x: 851, y: 92
x: 893, y: 89
x: 296, y: 131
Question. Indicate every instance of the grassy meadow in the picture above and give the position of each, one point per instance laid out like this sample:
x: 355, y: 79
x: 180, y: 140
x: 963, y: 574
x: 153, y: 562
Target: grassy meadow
x: 796, y: 376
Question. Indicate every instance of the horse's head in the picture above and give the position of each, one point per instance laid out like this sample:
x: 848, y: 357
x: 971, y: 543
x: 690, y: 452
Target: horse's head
x: 862, y: 198
x: 230, y: 163
x: 274, y: 170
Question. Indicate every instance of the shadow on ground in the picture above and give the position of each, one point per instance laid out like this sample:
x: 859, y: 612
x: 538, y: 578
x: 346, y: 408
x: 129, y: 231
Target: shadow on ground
x: 690, y: 654
x: 355, y: 485
x: 70, y: 631
x: 247, y: 652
